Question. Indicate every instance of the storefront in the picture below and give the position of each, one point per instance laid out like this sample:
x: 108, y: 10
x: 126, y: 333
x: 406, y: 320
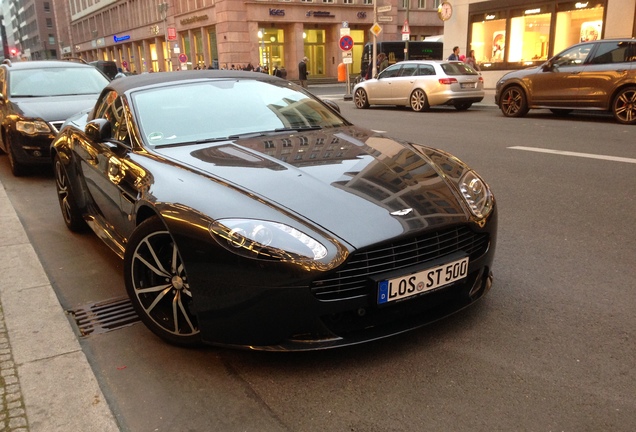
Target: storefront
x: 506, y: 36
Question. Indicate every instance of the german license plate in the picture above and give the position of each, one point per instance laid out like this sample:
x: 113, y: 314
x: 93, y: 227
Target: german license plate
x: 467, y: 85
x: 426, y: 280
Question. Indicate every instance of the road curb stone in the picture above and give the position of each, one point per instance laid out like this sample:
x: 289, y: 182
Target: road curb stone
x: 12, y: 410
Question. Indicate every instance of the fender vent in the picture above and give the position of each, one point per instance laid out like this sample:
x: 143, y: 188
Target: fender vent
x: 104, y: 316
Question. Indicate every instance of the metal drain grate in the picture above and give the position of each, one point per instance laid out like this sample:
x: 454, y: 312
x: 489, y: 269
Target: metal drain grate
x: 104, y: 316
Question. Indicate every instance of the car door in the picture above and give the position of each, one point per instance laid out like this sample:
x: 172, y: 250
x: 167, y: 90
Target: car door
x: 557, y: 82
x: 110, y: 178
x: 402, y: 84
x: 381, y: 91
x: 608, y: 67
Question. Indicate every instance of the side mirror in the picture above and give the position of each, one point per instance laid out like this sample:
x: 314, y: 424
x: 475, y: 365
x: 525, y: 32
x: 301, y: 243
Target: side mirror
x: 98, y: 130
x: 331, y: 104
x: 548, y: 66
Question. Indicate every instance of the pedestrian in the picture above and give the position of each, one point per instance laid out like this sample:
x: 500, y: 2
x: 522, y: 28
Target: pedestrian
x: 471, y: 61
x: 383, y: 62
x: 302, y: 72
x: 283, y: 72
x: 455, y: 55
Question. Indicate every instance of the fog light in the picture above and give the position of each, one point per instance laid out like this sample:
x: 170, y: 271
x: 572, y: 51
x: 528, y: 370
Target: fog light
x: 37, y: 153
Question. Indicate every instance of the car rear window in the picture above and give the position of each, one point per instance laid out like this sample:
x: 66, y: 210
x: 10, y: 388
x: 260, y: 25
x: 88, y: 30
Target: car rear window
x: 458, y: 69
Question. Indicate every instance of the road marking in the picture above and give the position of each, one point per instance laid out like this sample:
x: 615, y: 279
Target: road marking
x: 583, y: 155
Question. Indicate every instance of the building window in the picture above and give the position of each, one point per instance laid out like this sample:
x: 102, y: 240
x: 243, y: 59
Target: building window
x: 327, y: 1
x: 347, y: 1
x: 488, y: 38
x: 47, y: 7
x: 367, y: 2
x: 51, y: 39
x: 529, y: 36
x: 578, y: 25
x: 49, y: 23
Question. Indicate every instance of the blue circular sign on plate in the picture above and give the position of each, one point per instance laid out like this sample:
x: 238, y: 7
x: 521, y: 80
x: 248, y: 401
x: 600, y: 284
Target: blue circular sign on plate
x: 183, y: 58
x: 346, y: 43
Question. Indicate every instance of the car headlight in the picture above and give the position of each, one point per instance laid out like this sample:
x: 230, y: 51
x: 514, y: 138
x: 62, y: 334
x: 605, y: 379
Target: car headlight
x: 32, y: 127
x: 266, y: 240
x: 476, y: 193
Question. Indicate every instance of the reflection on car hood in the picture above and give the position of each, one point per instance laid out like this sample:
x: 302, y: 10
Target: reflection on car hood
x: 53, y: 108
x: 347, y: 180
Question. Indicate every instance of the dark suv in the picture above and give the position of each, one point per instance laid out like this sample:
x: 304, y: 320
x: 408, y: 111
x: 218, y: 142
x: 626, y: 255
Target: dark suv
x: 598, y: 75
x: 36, y: 97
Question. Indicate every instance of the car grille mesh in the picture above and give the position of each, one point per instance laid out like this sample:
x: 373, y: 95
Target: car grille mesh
x: 353, y: 279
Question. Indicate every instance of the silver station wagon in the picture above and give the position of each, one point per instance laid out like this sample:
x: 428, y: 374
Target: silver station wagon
x: 422, y: 84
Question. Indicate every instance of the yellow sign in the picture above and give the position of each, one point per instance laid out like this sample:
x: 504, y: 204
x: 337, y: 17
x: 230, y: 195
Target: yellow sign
x: 376, y: 29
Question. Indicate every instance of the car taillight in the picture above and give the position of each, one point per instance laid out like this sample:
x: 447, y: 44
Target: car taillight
x: 447, y: 81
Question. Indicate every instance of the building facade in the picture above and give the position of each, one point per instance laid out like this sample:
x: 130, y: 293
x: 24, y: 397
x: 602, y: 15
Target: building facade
x: 30, y: 31
x: 514, y: 34
x: 222, y: 33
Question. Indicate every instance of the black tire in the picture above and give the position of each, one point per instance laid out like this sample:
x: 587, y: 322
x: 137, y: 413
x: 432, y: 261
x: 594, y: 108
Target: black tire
x: 561, y: 112
x: 463, y: 106
x: 157, y: 284
x: 624, y: 106
x: 68, y: 204
x: 418, y: 101
x: 18, y: 169
x: 513, y: 102
x: 360, y: 99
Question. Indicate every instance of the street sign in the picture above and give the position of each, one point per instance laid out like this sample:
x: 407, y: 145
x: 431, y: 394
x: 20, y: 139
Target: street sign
x: 346, y: 43
x: 385, y: 18
x: 384, y: 8
x: 183, y: 58
x: 406, y: 29
x: 124, y: 64
x: 376, y: 29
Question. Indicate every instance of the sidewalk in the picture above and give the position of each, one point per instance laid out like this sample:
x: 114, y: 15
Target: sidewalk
x: 46, y: 382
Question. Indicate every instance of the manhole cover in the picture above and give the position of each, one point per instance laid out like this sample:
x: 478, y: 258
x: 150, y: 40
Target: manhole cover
x: 104, y: 316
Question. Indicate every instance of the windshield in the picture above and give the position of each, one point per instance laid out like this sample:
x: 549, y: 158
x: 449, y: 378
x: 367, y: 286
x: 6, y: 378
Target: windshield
x: 56, y: 81
x: 223, y: 109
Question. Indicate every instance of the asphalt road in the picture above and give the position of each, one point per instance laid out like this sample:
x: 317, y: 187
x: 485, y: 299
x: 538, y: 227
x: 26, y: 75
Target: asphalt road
x: 552, y: 347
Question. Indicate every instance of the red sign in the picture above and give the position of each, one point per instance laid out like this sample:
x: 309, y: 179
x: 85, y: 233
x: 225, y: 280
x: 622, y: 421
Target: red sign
x: 346, y: 43
x: 172, y: 33
x: 183, y: 58
x: 406, y: 28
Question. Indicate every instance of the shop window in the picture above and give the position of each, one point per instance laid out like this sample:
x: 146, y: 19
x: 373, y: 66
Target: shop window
x: 578, y: 25
x: 489, y: 39
x: 529, y: 37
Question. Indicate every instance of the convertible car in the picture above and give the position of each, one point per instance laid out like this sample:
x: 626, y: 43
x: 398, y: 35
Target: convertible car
x: 250, y: 213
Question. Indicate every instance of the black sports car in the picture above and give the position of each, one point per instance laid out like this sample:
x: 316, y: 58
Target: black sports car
x: 250, y: 213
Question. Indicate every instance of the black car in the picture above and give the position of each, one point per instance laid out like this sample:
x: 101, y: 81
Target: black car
x: 35, y: 99
x: 249, y: 213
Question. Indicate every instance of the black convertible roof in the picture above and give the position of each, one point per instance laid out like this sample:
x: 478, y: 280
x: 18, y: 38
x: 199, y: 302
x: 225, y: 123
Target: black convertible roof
x: 122, y: 85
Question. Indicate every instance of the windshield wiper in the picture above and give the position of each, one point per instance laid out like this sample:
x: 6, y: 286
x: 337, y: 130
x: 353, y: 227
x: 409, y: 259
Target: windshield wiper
x: 297, y: 128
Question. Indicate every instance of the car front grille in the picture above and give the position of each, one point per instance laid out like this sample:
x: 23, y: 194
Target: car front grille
x: 56, y: 125
x: 353, y: 279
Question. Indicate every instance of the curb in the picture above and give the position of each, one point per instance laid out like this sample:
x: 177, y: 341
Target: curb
x: 54, y: 383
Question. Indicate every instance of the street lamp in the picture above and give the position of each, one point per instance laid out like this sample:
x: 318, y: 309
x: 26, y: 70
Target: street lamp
x: 261, y: 36
x: 163, y: 12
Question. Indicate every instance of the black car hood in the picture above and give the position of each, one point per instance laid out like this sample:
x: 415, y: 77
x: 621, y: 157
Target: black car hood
x: 360, y: 186
x: 54, y: 108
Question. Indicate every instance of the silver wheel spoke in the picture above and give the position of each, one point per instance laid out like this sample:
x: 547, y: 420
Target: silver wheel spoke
x: 161, y: 295
x: 185, y: 315
x: 152, y: 289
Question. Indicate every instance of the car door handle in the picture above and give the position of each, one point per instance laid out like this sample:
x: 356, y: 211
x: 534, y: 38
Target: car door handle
x: 116, y: 171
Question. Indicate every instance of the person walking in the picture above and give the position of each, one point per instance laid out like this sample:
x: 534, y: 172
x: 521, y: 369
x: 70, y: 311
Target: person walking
x: 455, y: 55
x: 470, y: 60
x: 383, y: 62
x: 302, y: 72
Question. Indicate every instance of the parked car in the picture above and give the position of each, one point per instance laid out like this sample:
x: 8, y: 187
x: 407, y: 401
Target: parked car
x: 35, y: 99
x: 422, y: 84
x: 598, y: 75
x: 249, y: 213
x: 108, y: 67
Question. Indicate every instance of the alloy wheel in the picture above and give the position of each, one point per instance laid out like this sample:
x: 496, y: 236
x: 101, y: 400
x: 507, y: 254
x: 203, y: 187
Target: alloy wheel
x: 158, y: 285
x: 513, y: 102
x: 360, y: 99
x: 624, y: 106
x: 419, y: 101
